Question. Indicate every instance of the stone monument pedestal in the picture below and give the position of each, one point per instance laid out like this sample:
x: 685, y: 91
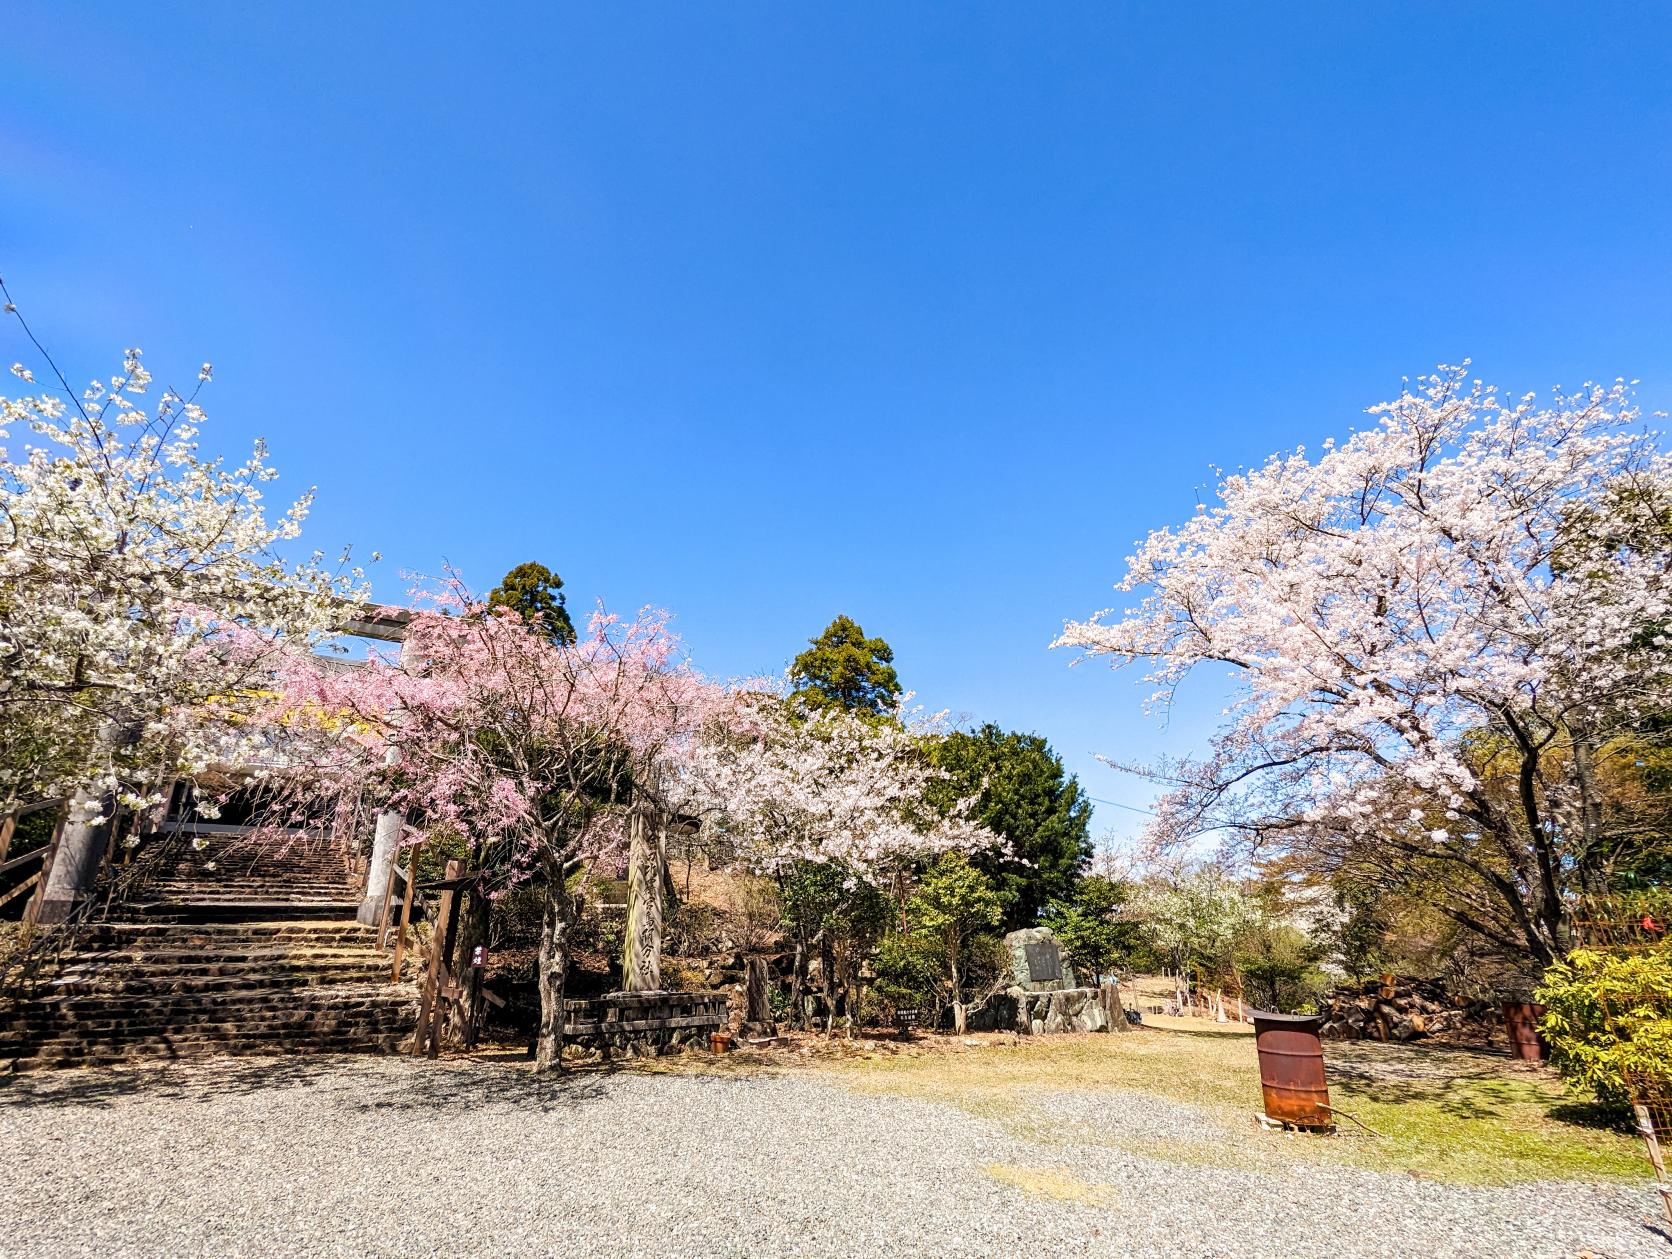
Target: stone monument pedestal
x: 1044, y: 995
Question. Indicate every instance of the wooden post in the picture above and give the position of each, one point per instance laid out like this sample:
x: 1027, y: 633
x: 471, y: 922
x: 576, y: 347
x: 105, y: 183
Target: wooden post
x: 757, y: 1005
x: 1646, y: 1128
x: 447, y: 989
x: 7, y: 829
x: 406, y: 915
x: 473, y: 985
x: 432, y: 1010
x: 32, y: 911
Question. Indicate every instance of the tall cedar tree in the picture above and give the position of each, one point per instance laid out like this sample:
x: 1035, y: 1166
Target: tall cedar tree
x: 1026, y: 797
x: 841, y: 668
x: 535, y: 593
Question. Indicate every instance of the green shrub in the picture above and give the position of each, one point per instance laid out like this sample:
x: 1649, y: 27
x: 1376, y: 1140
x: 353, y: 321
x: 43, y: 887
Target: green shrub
x: 1609, y: 1019
x: 1279, y: 968
x: 906, y: 969
x: 693, y: 930
x: 1096, y: 937
x: 519, y: 915
x: 437, y: 849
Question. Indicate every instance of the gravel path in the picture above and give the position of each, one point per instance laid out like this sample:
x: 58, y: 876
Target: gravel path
x: 390, y: 1157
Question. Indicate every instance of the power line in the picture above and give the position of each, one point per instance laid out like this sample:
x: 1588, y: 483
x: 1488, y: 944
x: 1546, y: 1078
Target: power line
x: 1130, y: 808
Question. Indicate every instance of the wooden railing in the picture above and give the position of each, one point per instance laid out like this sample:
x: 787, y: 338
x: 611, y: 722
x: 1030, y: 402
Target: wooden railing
x: 27, y: 870
x: 21, y: 876
x: 117, y: 884
x: 405, y: 875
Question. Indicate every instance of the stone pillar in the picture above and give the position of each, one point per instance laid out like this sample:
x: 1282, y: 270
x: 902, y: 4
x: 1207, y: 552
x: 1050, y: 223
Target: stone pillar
x: 641, y: 959
x: 386, y: 835
x: 386, y: 842
x: 757, y: 1002
x: 76, y: 857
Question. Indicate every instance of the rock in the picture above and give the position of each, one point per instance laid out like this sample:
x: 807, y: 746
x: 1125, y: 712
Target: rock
x: 1037, y: 960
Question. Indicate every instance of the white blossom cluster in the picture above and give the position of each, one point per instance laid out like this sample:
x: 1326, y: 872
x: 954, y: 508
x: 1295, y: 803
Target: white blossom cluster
x: 126, y: 555
x: 1467, y: 569
x: 829, y: 788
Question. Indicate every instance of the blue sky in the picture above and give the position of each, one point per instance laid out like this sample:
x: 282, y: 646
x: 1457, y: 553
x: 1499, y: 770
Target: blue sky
x: 763, y: 313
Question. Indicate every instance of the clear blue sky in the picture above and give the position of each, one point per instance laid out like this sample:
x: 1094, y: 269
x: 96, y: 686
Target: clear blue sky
x: 763, y: 313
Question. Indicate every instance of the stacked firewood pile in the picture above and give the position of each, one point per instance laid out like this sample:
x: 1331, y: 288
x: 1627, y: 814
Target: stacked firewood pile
x: 1395, y: 1008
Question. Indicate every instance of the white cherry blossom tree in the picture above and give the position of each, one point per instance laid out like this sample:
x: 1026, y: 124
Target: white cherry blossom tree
x: 127, y: 554
x: 1447, y: 636
x: 834, y: 805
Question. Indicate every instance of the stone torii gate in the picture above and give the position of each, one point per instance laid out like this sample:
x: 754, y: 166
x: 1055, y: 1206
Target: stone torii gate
x: 81, y: 847
x: 385, y: 626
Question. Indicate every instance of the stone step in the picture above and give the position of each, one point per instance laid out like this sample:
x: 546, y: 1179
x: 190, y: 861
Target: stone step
x: 233, y: 910
x: 21, y: 1044
x: 86, y: 1056
x: 113, y: 987
x: 225, y: 934
x: 213, y: 995
x: 264, y: 884
x: 173, y: 953
x: 82, y: 966
x: 108, y: 1025
x: 248, y: 857
x: 377, y: 1023
x: 247, y: 863
x: 75, y: 1017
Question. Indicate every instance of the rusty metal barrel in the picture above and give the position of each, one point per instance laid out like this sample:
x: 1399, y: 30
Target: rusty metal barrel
x: 1521, y: 1019
x: 1292, y: 1068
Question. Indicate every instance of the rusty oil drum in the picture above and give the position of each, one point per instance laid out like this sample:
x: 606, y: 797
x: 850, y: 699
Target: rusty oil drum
x: 1292, y: 1068
x: 1521, y: 1020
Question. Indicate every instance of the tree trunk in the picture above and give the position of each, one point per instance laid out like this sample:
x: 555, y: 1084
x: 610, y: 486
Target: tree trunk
x: 554, y: 971
x: 960, y: 1013
x: 757, y: 1004
x: 798, y: 983
x: 473, y: 932
x: 641, y: 960
x: 827, y: 980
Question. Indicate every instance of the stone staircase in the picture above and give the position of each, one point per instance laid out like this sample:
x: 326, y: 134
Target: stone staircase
x: 231, y: 947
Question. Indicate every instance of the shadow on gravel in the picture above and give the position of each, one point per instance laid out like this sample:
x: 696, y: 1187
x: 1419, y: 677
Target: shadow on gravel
x: 369, y: 1084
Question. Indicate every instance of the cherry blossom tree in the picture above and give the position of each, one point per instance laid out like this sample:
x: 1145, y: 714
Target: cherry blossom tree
x: 126, y: 556
x: 485, y: 728
x: 1441, y: 632
x: 834, y: 804
x: 830, y: 788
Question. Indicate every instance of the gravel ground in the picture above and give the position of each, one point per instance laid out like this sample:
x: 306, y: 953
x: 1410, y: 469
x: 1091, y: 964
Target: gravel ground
x: 347, y: 1156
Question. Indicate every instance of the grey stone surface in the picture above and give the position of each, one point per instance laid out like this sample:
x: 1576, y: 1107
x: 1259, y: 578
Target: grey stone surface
x: 1037, y: 960
x: 392, y: 1157
x: 1064, y: 1010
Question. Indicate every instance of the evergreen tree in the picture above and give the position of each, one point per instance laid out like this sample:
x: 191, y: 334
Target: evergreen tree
x: 1027, y: 797
x: 535, y: 593
x: 842, y: 668
x: 1091, y: 927
x: 954, y: 903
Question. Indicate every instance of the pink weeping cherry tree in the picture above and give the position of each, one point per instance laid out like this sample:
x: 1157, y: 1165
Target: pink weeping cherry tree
x: 525, y: 748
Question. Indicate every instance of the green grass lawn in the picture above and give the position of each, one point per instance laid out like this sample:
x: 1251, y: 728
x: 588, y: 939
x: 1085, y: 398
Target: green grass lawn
x: 1447, y: 1114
